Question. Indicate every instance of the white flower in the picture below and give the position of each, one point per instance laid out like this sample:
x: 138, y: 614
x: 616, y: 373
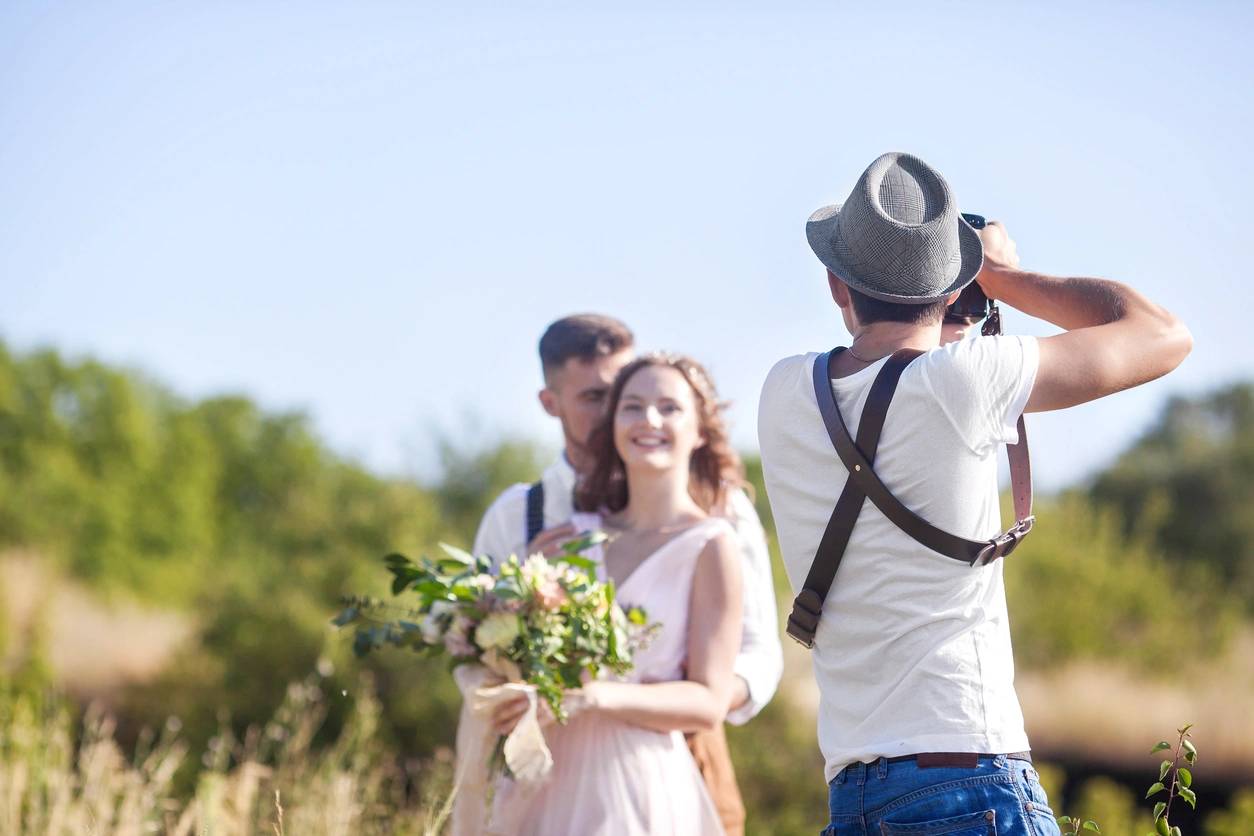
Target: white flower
x: 497, y: 630
x: 537, y: 570
x: 435, y: 622
x: 483, y: 581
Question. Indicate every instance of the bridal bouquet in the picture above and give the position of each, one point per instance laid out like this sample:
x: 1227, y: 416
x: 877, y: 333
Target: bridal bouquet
x: 547, y: 623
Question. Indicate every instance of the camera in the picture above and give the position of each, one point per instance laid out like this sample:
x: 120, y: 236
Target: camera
x: 972, y: 305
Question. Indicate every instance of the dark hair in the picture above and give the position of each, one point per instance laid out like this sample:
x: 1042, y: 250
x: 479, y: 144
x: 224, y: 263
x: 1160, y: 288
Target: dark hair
x: 586, y: 336
x: 871, y: 310
x: 713, y: 468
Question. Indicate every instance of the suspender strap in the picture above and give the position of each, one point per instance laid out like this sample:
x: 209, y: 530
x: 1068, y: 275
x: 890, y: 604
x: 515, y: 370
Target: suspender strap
x: 535, y: 510
x: 863, y: 483
x: 808, y: 606
x: 938, y: 540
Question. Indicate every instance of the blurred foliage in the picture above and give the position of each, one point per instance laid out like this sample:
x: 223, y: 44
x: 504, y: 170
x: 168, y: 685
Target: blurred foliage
x: 1237, y: 820
x: 246, y: 522
x: 1114, y: 807
x: 780, y: 772
x: 64, y: 776
x: 241, y: 518
x: 1079, y: 588
x: 1188, y: 484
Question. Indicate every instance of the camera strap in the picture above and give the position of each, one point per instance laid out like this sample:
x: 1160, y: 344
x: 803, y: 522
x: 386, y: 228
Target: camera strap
x: 863, y: 483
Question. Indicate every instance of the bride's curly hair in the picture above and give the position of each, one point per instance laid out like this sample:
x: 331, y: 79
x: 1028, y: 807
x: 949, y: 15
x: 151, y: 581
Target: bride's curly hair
x: 713, y: 469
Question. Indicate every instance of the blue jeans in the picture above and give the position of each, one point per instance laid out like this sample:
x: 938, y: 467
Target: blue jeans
x: 999, y: 796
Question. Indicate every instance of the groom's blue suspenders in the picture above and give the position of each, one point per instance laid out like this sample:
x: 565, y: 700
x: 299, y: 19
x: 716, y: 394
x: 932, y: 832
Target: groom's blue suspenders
x: 535, y: 511
x: 863, y: 484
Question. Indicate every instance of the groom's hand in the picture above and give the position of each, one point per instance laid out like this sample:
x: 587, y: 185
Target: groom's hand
x: 549, y: 541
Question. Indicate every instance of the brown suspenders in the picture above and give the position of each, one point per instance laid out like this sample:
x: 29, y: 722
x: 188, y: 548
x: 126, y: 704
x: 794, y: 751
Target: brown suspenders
x: 863, y: 484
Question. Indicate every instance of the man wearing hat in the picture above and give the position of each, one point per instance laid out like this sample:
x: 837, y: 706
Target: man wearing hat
x: 919, y: 724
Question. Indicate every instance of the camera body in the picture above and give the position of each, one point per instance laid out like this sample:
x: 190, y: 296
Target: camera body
x: 972, y: 305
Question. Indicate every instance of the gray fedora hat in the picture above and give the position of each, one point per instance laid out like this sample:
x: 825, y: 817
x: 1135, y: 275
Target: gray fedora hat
x: 899, y: 236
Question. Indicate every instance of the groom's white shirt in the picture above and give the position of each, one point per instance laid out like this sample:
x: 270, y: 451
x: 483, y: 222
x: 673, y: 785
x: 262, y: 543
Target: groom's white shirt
x: 760, y: 662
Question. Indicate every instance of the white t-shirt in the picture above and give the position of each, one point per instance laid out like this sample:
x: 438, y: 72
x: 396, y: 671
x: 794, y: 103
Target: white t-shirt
x: 912, y: 653
x: 760, y: 662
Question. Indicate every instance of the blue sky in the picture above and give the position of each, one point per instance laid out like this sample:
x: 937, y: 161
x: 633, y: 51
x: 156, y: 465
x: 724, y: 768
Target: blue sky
x: 369, y: 211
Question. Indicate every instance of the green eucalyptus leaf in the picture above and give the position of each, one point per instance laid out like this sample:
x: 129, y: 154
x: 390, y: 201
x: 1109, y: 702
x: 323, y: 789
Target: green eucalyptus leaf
x: 1162, y: 827
x: 1175, y: 830
x: 1065, y: 820
x: 431, y: 589
x: 1158, y: 808
x: 1186, y: 728
x: 1162, y: 769
x: 1189, y: 796
x: 1186, y: 776
x: 1159, y: 746
x: 1189, y: 748
x: 462, y: 557
x: 584, y: 563
x: 362, y: 643
x: 1158, y: 787
x: 1092, y: 825
x: 397, y: 559
x: 584, y: 541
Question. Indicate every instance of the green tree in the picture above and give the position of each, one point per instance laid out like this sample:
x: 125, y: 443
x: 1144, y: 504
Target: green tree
x: 1188, y: 483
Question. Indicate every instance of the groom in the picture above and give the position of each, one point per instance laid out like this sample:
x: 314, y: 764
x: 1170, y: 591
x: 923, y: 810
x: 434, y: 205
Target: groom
x: 919, y: 723
x: 580, y: 355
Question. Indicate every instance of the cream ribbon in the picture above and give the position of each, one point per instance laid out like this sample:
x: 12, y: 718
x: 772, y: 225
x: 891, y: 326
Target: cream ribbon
x: 526, y: 753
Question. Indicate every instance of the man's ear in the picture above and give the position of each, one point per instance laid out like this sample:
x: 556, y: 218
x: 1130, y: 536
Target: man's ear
x: 953, y: 297
x: 840, y: 292
x: 548, y: 400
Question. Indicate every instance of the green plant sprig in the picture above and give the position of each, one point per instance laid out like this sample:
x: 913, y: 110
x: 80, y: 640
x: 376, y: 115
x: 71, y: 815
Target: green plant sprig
x: 1076, y: 825
x: 1181, y: 783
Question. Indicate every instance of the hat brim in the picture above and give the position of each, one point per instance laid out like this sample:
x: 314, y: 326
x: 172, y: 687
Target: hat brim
x: 823, y: 230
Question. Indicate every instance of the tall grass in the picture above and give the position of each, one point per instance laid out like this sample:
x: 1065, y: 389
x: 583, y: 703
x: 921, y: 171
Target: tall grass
x: 62, y: 776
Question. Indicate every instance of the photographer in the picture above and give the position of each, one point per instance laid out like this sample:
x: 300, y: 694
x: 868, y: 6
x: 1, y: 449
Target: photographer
x: 919, y: 724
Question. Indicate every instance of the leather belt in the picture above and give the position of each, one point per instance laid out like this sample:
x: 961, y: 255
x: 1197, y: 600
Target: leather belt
x: 966, y: 760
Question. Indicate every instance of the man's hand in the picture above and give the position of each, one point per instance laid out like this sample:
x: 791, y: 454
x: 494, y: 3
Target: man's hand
x: 1000, y: 252
x: 549, y: 542
x: 1114, y: 337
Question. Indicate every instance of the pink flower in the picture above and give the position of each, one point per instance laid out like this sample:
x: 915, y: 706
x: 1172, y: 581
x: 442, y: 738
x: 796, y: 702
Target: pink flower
x: 550, y: 595
x: 457, y: 639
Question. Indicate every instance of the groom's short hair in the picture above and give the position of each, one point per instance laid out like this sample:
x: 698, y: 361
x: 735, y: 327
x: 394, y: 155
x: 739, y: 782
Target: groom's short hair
x: 585, y: 336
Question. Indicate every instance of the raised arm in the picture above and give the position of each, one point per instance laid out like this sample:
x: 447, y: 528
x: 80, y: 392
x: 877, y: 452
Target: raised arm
x: 1114, y: 338
x: 700, y: 701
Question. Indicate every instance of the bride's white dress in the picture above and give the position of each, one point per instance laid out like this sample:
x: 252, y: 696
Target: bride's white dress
x: 610, y: 777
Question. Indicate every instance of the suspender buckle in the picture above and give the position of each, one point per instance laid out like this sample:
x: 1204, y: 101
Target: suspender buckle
x: 804, y: 619
x: 1004, y: 544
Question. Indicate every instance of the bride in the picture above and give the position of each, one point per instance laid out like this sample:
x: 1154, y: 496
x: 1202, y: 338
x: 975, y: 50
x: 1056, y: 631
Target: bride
x: 663, y: 464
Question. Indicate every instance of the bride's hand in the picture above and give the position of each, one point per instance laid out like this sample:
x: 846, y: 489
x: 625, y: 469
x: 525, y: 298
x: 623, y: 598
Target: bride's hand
x: 507, y: 714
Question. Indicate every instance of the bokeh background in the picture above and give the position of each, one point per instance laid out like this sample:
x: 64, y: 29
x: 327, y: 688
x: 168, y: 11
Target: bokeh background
x: 271, y: 279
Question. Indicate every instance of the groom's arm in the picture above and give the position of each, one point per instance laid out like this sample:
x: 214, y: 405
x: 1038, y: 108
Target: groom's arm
x: 760, y: 661
x: 504, y: 526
